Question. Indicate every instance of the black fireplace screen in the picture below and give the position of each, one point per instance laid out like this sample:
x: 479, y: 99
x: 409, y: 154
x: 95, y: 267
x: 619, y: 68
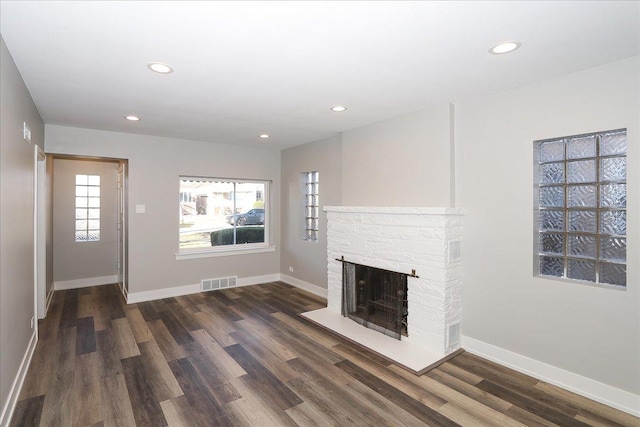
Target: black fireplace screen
x: 375, y: 298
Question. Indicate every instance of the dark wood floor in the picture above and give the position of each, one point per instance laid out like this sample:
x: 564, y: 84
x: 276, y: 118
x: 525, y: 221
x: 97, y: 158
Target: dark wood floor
x: 244, y: 357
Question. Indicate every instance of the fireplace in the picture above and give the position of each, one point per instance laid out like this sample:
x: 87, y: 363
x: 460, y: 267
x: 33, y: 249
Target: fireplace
x: 375, y: 298
x: 425, y: 241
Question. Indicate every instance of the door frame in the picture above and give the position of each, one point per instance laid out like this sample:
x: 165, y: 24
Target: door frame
x: 122, y: 229
x: 123, y: 202
x: 39, y: 236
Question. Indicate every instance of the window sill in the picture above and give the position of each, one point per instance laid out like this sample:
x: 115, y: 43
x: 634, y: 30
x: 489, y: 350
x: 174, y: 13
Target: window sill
x: 581, y: 282
x: 209, y: 253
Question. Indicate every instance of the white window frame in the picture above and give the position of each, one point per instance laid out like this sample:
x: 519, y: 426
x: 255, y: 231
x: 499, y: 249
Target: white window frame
x: 235, y: 249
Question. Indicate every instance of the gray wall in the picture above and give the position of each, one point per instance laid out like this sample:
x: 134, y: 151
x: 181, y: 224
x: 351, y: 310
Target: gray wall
x: 155, y: 164
x: 587, y: 330
x: 308, y: 259
x: 16, y: 219
x: 83, y: 260
x: 405, y: 161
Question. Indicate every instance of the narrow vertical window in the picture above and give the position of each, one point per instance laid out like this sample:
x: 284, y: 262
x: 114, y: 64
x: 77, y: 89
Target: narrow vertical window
x: 87, y: 208
x: 311, y: 205
x: 582, y: 207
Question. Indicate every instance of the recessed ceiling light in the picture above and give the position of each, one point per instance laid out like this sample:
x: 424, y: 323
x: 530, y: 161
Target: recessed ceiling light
x: 159, y: 67
x: 264, y: 136
x: 339, y: 108
x: 132, y: 118
x: 504, y: 47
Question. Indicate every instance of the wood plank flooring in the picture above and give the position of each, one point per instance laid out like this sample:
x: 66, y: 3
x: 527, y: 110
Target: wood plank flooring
x: 243, y: 357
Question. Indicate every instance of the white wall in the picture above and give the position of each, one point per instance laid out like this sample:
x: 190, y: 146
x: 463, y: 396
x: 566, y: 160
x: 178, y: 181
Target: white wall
x: 405, y: 161
x: 83, y: 260
x: 16, y: 224
x: 308, y: 259
x: 587, y: 330
x: 155, y: 164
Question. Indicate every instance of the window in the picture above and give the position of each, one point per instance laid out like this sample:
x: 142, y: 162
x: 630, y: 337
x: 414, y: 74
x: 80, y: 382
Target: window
x: 581, y: 203
x: 217, y: 213
x: 311, y: 205
x: 87, y: 208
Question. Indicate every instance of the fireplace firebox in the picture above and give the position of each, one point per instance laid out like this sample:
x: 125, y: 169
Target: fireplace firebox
x: 375, y: 298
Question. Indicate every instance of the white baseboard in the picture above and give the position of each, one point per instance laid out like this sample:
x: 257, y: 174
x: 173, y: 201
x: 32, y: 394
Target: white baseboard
x: 309, y: 287
x: 16, y: 387
x: 256, y: 280
x: 177, y: 291
x: 587, y: 387
x: 84, y: 283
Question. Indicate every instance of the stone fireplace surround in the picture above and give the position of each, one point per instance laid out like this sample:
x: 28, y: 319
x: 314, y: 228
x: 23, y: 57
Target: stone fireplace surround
x: 400, y: 239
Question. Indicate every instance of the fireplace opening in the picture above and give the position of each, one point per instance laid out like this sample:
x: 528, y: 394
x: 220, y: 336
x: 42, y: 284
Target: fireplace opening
x: 375, y: 298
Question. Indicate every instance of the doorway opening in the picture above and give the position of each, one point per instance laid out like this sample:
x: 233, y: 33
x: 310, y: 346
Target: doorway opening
x: 87, y: 222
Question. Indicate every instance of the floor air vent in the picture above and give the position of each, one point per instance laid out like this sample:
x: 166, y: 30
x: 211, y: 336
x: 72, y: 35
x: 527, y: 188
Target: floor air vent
x: 219, y: 283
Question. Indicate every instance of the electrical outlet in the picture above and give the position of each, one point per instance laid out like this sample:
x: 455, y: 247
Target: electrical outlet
x: 290, y: 269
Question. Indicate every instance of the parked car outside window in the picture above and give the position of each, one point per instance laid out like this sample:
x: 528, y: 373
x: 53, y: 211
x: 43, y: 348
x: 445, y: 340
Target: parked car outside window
x: 252, y: 217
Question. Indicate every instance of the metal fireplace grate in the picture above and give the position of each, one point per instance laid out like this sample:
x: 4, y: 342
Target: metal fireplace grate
x: 375, y: 298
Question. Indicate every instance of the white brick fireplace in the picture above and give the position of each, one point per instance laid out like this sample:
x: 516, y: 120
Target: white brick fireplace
x: 426, y: 240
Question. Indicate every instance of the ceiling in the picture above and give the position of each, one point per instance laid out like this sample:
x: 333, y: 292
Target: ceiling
x: 246, y: 68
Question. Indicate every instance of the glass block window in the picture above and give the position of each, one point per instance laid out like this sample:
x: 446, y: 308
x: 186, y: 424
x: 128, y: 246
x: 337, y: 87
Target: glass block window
x: 311, y: 205
x: 581, y: 198
x: 87, y: 208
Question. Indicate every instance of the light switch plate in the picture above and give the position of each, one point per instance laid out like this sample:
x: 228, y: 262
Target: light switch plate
x: 26, y: 132
x: 140, y: 208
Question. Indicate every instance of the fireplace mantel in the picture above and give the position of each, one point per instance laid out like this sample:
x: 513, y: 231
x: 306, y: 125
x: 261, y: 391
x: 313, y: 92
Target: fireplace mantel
x: 424, y: 239
x: 419, y: 210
